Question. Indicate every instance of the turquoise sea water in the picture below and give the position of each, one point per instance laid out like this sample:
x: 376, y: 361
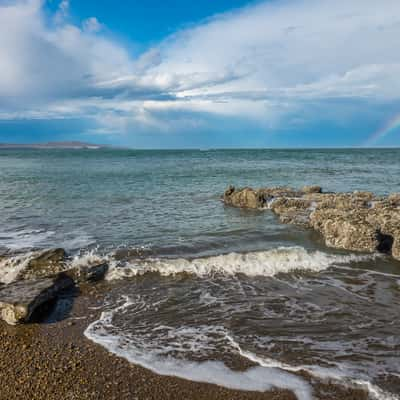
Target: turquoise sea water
x: 165, y: 199
x: 196, y: 286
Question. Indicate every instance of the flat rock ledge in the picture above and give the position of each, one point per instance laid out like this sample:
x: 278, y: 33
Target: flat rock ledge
x: 34, y: 278
x: 358, y: 221
x: 19, y: 300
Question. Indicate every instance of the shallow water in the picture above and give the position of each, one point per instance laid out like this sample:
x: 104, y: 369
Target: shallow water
x: 200, y: 290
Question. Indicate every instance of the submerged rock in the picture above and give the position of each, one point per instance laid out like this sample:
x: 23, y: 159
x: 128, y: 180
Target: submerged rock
x: 19, y: 300
x: 358, y: 221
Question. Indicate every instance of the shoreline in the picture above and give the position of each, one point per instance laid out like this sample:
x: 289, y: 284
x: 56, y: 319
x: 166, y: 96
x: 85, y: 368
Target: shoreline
x: 53, y: 360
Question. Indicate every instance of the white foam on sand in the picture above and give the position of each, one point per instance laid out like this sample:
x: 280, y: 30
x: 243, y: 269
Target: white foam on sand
x: 262, y: 263
x: 258, y: 378
x: 332, y: 374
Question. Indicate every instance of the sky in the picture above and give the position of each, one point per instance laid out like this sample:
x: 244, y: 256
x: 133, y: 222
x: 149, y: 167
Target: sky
x: 203, y: 74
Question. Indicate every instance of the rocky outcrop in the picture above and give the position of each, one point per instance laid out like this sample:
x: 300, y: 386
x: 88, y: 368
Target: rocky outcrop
x: 246, y: 198
x: 358, y: 221
x: 31, y: 279
x: 46, y: 264
x: 19, y: 300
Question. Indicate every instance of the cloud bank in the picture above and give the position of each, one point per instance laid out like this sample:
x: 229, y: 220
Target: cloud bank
x: 270, y: 63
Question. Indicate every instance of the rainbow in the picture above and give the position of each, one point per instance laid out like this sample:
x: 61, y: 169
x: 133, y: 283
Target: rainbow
x: 389, y: 126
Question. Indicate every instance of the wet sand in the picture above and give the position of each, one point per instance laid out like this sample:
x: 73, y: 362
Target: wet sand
x: 53, y: 360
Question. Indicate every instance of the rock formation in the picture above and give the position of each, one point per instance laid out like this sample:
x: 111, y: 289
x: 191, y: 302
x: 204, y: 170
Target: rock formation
x: 44, y: 263
x: 19, y: 300
x: 39, y: 278
x: 358, y: 221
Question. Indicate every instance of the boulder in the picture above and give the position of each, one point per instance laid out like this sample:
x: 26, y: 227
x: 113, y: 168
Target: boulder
x: 244, y: 198
x: 19, y: 300
x: 44, y: 263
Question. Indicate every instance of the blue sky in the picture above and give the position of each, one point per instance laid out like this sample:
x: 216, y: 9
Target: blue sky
x: 177, y: 74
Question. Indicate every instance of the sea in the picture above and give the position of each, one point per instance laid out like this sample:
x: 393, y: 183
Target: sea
x: 211, y: 293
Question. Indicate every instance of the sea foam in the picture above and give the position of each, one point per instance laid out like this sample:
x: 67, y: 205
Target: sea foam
x: 261, y: 263
x: 10, y: 267
x: 257, y: 378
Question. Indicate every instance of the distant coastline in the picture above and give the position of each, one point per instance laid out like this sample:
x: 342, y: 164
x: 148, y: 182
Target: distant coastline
x: 53, y: 145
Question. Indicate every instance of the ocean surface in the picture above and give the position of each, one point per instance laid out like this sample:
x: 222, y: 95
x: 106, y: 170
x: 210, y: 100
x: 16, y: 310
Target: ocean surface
x: 207, y: 292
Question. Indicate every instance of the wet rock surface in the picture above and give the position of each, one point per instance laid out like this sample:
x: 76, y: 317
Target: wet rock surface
x: 358, y: 221
x: 88, y: 273
x: 44, y: 264
x: 20, y: 300
x: 32, y: 279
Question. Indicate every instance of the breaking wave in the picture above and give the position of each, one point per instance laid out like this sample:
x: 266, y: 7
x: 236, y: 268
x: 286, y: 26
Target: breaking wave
x: 262, y: 263
x: 10, y: 267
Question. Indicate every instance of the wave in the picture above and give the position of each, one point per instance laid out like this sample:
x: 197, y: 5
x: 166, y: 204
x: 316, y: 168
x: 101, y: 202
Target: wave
x: 262, y: 263
x: 160, y: 348
x: 10, y: 267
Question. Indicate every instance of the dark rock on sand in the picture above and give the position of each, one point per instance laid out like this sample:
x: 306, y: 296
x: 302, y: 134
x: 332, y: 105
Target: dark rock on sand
x: 358, y: 221
x: 19, y: 300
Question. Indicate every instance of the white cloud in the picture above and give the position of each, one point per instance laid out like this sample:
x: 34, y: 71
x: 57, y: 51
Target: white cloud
x: 258, y: 63
x: 91, y: 25
x: 62, y: 12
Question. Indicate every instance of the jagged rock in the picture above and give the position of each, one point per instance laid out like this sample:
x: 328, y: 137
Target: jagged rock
x: 293, y: 210
x: 345, y: 230
x: 312, y: 189
x: 358, y: 221
x: 19, y: 300
x: 44, y: 263
x: 394, y: 199
x: 229, y: 191
x: 279, y: 192
x: 245, y: 198
x: 257, y: 199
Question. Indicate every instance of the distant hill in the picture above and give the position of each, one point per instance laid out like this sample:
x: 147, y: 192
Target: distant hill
x: 53, y: 145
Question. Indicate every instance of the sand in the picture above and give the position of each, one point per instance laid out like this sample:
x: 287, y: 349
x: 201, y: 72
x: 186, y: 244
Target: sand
x: 53, y: 360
